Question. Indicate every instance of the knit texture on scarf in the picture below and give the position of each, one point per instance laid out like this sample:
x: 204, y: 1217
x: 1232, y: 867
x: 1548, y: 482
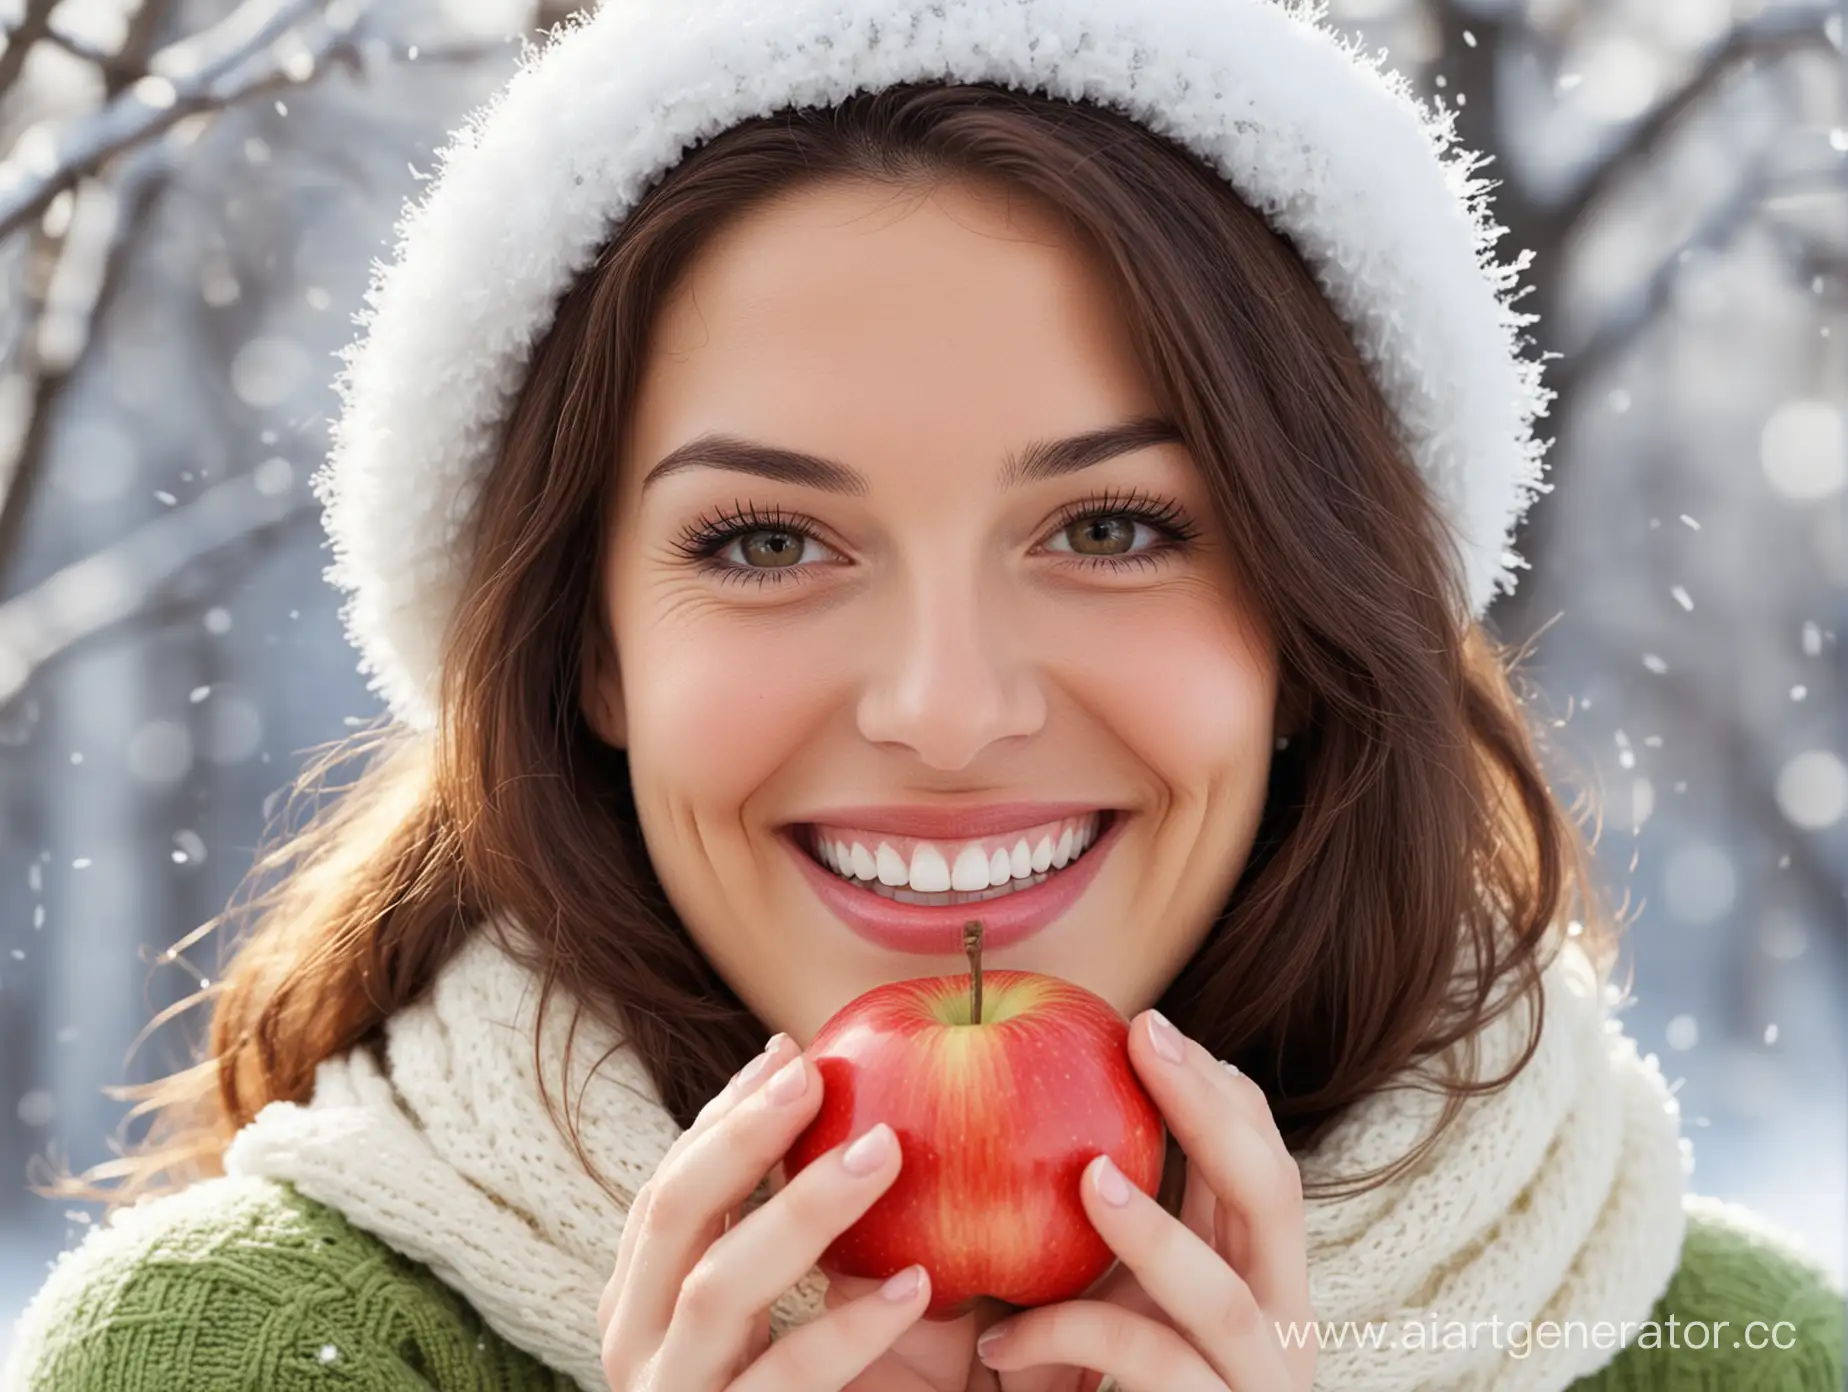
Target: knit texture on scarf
x: 1556, y: 1198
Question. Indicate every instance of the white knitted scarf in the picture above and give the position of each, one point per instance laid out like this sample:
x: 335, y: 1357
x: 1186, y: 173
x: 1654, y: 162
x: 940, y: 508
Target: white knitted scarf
x: 1558, y: 1198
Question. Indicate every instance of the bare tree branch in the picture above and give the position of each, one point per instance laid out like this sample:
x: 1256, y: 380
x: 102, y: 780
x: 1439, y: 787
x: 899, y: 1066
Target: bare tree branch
x: 209, y: 71
x: 144, y: 32
x: 1472, y: 45
x: 80, y: 48
x: 21, y: 475
x: 231, y: 79
x: 112, y: 585
x: 20, y: 482
x: 129, y: 121
x: 226, y: 64
x: 1786, y: 31
x: 126, y: 66
x: 129, y: 64
x: 1646, y: 300
x: 34, y: 25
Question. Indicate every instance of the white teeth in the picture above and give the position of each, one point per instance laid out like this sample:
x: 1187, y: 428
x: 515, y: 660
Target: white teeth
x: 893, y: 872
x: 975, y: 871
x: 970, y: 871
x: 1063, y: 852
x: 930, y: 874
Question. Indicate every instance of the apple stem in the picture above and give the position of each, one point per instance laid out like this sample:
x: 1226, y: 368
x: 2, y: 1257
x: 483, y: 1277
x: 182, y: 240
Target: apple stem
x: 972, y: 944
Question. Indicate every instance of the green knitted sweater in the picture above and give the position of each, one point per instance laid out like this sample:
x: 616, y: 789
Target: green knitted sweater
x: 245, y: 1284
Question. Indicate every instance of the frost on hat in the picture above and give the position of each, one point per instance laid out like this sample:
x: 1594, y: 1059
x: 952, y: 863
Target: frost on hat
x: 1327, y: 144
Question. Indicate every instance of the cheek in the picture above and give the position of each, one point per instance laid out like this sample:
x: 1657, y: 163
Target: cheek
x: 1189, y: 694
x: 714, y: 710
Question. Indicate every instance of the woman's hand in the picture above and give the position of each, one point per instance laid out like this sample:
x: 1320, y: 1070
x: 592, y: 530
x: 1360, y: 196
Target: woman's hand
x: 688, y: 1307
x: 1217, y: 1299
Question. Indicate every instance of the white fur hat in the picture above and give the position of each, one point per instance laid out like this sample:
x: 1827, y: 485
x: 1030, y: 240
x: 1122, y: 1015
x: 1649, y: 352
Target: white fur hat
x: 1333, y: 149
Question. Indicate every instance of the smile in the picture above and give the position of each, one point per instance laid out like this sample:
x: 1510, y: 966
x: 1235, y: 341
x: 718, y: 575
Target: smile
x: 917, y: 895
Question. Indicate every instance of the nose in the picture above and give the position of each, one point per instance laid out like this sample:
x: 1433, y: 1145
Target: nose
x: 953, y: 673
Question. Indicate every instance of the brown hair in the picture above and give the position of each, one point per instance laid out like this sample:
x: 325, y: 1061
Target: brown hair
x: 1411, y: 855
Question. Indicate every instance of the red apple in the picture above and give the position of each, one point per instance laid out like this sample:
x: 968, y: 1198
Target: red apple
x: 1001, y: 1088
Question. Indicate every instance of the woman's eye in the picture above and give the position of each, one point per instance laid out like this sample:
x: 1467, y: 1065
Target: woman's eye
x: 768, y: 549
x: 1103, y: 536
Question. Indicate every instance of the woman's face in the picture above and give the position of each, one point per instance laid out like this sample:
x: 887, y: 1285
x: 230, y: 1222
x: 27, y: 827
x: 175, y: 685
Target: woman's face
x: 941, y: 612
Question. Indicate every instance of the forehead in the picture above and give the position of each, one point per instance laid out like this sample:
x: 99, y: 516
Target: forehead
x: 851, y: 312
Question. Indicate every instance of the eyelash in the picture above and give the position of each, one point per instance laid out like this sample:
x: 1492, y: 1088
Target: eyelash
x: 702, y: 539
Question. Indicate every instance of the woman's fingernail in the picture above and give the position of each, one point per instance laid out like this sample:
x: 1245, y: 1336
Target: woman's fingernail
x: 1165, y: 1037
x: 1112, y: 1187
x: 904, y: 1285
x: 869, y: 1152
x: 990, y: 1342
x: 790, y: 1082
x: 752, y: 1071
x: 1231, y: 1068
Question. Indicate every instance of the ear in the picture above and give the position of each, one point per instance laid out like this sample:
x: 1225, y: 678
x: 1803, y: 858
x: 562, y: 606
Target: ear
x: 600, y: 694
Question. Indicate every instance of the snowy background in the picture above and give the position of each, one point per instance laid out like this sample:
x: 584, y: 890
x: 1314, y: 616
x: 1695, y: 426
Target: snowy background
x: 192, y: 192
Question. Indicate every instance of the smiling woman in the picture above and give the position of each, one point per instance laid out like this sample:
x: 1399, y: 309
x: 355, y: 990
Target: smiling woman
x: 944, y: 494
x: 884, y: 444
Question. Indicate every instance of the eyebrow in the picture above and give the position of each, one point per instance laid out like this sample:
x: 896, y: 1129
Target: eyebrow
x: 1040, y: 460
